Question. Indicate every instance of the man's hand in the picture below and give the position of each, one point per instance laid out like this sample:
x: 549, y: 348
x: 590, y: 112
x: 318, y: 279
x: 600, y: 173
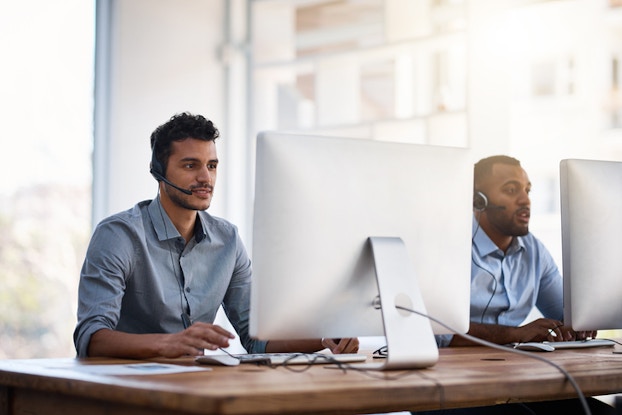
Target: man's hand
x: 190, y: 342
x: 338, y: 346
x: 553, y: 331
x: 542, y: 329
x: 193, y: 340
x: 545, y: 329
x: 582, y: 335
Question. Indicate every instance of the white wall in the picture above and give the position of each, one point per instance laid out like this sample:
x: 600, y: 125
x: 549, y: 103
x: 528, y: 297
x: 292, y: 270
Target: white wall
x: 157, y: 58
x: 163, y: 59
x: 506, y: 117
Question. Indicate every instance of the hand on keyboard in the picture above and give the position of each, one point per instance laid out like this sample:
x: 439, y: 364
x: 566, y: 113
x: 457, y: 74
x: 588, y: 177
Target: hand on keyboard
x: 338, y: 346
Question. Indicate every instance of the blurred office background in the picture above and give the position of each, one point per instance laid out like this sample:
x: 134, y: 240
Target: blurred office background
x: 83, y: 84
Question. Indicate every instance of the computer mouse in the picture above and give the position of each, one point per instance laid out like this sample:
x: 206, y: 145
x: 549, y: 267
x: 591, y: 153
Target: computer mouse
x: 534, y: 347
x: 217, y: 359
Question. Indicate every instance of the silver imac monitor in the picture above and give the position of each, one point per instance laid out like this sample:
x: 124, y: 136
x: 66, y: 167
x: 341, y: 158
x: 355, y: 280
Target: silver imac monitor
x: 345, y: 230
x: 591, y: 212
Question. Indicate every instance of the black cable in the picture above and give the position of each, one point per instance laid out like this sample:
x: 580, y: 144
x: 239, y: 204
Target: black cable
x: 494, y: 288
x: 481, y: 342
x: 313, y: 359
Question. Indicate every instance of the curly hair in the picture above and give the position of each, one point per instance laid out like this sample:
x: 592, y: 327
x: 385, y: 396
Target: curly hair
x: 178, y: 128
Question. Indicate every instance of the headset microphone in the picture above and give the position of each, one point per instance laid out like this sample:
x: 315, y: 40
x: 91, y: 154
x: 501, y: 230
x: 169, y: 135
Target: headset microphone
x: 159, y: 177
x: 157, y: 171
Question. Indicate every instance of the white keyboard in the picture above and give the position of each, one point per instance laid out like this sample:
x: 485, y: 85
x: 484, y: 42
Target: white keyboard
x: 579, y: 344
x: 300, y: 358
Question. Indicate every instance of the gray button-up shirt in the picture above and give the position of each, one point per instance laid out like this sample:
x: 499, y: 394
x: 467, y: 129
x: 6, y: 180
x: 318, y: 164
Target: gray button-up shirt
x: 139, y: 275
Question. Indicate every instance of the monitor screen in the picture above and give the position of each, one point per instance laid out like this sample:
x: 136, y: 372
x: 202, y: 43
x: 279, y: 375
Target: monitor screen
x: 318, y: 200
x: 591, y: 212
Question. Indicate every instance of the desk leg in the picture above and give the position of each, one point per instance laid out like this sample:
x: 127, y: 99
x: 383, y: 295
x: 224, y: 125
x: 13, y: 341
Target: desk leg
x: 4, y: 400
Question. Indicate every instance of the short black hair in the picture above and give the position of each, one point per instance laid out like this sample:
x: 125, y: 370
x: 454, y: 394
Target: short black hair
x: 483, y: 168
x: 178, y: 128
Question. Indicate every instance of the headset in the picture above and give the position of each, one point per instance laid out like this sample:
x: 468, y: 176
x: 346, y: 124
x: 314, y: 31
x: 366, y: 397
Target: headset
x: 480, y: 202
x: 157, y: 171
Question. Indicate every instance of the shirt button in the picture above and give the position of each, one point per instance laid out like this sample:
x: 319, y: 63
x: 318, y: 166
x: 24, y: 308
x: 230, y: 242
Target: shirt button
x: 187, y: 289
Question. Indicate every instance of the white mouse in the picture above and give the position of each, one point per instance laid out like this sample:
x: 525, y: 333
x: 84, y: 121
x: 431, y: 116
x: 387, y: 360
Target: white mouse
x: 217, y: 359
x: 534, y: 347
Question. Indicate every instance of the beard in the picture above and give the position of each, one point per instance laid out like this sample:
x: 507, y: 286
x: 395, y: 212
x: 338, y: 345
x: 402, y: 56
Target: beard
x: 184, y: 201
x: 507, y: 225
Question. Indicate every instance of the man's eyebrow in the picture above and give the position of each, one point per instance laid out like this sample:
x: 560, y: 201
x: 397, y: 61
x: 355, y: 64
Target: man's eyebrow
x: 188, y: 159
x: 515, y: 183
x: 195, y: 159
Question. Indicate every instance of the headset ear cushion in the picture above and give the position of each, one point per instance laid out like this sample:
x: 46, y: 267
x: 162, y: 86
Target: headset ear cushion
x: 155, y: 168
x: 480, y: 201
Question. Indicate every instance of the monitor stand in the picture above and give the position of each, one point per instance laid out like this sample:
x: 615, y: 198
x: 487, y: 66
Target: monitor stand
x: 410, y: 339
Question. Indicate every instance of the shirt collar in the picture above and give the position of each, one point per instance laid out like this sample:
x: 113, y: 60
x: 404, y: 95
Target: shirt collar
x: 485, y: 246
x: 200, y: 231
x: 164, y: 226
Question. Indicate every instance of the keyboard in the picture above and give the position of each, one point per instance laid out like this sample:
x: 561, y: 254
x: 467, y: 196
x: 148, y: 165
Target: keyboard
x: 579, y: 344
x: 299, y: 358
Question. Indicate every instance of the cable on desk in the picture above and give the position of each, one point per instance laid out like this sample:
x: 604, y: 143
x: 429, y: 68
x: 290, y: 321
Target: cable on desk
x: 313, y: 359
x: 479, y: 341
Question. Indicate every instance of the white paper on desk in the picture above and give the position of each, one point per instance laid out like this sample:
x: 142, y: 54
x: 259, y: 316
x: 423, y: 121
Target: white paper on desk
x: 135, y: 369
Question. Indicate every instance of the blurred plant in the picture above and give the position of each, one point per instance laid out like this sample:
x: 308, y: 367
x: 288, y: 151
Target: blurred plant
x: 44, y: 231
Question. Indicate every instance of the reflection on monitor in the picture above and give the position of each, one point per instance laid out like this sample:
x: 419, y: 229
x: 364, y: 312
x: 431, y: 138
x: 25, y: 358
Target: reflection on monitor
x: 591, y: 211
x: 319, y: 200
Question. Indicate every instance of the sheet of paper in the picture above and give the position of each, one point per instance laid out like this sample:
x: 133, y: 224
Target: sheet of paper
x: 150, y: 368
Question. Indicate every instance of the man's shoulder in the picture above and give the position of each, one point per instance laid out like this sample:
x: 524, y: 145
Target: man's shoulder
x: 132, y: 216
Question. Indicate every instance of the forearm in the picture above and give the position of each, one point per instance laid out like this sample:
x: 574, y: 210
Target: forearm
x: 491, y: 332
x: 190, y: 342
x: 302, y: 346
x: 112, y: 343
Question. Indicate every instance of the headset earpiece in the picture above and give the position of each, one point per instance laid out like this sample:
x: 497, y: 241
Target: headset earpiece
x: 155, y: 167
x: 480, y: 201
x: 157, y: 171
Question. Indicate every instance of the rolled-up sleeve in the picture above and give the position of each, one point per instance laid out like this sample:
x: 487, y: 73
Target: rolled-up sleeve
x: 102, y: 284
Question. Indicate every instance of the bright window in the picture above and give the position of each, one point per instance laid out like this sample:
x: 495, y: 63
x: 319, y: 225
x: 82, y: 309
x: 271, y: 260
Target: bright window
x: 46, y: 84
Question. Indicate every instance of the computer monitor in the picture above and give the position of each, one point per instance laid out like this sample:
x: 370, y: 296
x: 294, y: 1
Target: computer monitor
x: 591, y: 213
x: 318, y: 200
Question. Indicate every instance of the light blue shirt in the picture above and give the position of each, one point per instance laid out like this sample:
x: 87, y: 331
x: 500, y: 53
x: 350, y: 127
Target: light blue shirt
x: 505, y: 287
x: 139, y: 275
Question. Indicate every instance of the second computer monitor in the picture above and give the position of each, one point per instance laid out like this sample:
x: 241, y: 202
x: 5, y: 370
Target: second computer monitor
x: 591, y: 211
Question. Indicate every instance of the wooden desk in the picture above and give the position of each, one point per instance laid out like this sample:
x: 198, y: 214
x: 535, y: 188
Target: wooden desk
x: 462, y: 377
